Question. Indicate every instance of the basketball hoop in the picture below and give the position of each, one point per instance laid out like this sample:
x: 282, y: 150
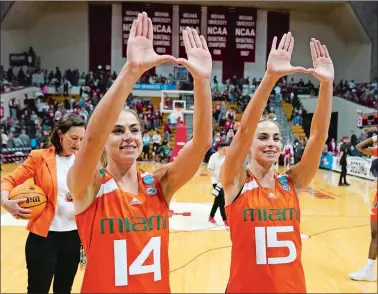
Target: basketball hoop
x: 179, y: 109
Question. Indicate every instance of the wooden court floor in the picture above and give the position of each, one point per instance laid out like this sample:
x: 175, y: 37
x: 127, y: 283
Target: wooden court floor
x: 335, y: 219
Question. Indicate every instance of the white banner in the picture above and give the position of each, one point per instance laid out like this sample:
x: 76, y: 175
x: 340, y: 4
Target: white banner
x: 357, y: 166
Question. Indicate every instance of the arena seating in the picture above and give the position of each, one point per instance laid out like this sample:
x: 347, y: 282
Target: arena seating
x: 14, y: 155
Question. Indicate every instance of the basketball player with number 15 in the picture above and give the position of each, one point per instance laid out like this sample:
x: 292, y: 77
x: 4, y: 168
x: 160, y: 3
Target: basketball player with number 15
x: 122, y: 213
x: 262, y: 206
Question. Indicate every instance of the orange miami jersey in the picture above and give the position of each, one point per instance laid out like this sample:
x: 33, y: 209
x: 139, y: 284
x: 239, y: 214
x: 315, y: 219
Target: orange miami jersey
x: 125, y: 238
x: 266, y: 239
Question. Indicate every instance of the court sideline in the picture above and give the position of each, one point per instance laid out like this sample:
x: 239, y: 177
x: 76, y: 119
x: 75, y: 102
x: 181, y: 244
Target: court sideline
x: 336, y: 220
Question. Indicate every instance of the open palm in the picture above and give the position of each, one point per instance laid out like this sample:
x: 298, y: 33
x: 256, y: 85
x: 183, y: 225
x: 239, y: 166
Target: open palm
x: 279, y: 59
x: 140, y: 52
x: 199, y: 62
x: 323, y: 67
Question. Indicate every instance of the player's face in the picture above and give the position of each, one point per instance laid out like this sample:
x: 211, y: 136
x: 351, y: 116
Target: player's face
x: 72, y: 139
x: 266, y: 145
x: 124, y: 144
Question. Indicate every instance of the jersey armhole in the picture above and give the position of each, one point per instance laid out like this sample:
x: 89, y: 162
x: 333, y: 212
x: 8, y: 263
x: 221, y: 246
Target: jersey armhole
x: 241, y: 189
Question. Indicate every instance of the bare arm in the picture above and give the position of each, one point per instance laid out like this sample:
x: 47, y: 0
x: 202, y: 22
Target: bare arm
x: 232, y: 172
x: 140, y: 57
x: 186, y: 164
x: 365, y: 145
x: 305, y: 170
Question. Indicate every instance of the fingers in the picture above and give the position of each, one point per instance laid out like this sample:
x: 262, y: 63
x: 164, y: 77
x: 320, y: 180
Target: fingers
x: 282, y: 42
x: 326, y: 51
x: 20, y: 200
x: 144, y: 24
x: 185, y: 38
x: 133, y: 29
x: 184, y: 62
x: 166, y: 58
x: 316, y: 48
x: 291, y: 46
x: 24, y: 211
x: 274, y: 43
x: 191, y: 38
x: 321, y: 50
x: 197, y: 39
x: 204, y: 44
x: 139, y: 26
x: 287, y: 41
x: 313, y: 51
x: 300, y: 69
x: 150, y: 34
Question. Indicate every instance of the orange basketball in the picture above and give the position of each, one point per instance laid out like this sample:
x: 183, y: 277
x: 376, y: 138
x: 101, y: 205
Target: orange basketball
x: 35, y: 198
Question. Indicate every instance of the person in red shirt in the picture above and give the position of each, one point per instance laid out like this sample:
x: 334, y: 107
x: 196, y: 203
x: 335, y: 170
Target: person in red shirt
x: 262, y: 206
x: 369, y: 147
x: 122, y: 212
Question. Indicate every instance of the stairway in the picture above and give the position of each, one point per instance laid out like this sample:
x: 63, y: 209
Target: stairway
x: 282, y: 120
x: 297, y: 131
x: 188, y: 117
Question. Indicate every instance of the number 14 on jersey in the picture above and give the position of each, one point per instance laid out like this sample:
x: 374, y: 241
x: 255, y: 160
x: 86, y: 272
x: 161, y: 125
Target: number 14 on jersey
x: 121, y: 264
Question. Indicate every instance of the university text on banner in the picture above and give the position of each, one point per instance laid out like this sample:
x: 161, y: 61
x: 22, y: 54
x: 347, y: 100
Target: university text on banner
x: 217, y: 32
x: 161, y: 16
x: 244, y: 37
x: 189, y: 16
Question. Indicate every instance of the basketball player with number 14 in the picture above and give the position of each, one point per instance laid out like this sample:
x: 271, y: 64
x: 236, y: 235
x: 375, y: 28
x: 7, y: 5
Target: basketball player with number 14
x: 262, y: 206
x: 121, y: 212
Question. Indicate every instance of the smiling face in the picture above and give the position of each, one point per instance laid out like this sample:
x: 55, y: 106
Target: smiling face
x: 124, y: 144
x: 266, y: 145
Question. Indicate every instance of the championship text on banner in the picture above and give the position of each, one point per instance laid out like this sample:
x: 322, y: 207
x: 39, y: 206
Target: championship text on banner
x: 217, y: 32
x: 189, y: 16
x: 244, y: 39
x: 161, y: 16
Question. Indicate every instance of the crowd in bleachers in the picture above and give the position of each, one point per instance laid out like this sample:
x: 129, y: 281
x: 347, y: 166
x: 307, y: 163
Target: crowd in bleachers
x: 30, y: 126
x: 365, y: 94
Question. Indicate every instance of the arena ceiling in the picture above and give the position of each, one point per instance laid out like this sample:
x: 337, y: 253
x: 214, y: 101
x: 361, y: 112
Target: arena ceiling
x: 23, y: 13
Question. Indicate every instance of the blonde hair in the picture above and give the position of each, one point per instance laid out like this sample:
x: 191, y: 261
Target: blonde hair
x: 103, y: 160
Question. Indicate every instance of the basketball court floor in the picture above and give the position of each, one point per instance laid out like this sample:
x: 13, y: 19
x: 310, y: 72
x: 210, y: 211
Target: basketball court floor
x: 335, y: 228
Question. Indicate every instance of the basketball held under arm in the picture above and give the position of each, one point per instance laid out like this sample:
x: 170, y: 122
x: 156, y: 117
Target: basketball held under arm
x: 22, y: 173
x: 303, y: 173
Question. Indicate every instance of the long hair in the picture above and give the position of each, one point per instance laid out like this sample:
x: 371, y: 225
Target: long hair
x: 103, y: 160
x: 67, y: 122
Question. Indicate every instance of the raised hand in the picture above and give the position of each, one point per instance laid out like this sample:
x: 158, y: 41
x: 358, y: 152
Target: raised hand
x: 323, y: 67
x: 199, y: 62
x: 279, y: 59
x: 140, y: 52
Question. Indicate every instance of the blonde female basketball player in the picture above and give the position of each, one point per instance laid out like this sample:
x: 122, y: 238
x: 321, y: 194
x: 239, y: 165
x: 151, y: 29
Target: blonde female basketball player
x: 262, y: 206
x: 122, y: 213
x: 52, y: 248
x: 367, y: 273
